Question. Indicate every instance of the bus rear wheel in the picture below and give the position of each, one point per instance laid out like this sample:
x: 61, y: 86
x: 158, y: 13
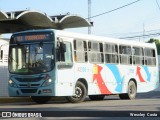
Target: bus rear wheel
x: 40, y: 99
x: 132, y: 90
x: 80, y: 93
x: 96, y: 97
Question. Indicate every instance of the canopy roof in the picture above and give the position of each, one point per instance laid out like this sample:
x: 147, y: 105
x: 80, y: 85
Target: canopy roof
x: 29, y: 19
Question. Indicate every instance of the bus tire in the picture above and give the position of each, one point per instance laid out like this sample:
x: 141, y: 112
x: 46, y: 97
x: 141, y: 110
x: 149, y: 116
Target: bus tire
x: 80, y: 93
x: 40, y: 99
x: 96, y: 97
x: 132, y: 90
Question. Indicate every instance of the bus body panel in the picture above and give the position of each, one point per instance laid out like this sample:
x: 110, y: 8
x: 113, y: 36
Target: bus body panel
x: 65, y: 84
x: 114, y: 79
x: 31, y: 85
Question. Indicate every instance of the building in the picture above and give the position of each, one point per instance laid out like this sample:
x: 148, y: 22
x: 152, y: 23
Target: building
x: 4, y: 74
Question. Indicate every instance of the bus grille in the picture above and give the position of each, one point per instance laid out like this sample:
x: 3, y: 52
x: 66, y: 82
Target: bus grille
x: 29, y: 79
x: 28, y: 90
x: 31, y: 85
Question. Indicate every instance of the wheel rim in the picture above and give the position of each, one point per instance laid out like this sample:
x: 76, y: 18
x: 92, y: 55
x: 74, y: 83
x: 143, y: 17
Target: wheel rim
x: 78, y: 92
x: 132, y: 90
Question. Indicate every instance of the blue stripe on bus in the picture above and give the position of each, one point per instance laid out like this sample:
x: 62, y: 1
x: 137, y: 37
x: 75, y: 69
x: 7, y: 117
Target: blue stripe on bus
x: 147, y: 72
x: 117, y: 76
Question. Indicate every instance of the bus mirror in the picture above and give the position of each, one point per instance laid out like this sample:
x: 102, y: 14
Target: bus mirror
x: 62, y: 47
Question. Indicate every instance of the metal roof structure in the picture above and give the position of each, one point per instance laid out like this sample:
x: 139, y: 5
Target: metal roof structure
x: 30, y: 19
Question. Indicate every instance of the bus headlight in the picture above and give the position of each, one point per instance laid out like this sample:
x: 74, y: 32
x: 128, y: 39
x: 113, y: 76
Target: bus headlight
x: 47, y: 82
x: 11, y: 83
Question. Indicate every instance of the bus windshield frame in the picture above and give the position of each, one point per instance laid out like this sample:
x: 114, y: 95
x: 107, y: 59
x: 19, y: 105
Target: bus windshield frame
x: 33, y: 55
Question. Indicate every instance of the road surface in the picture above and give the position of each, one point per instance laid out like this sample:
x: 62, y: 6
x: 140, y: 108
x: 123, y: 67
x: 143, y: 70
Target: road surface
x: 147, y: 105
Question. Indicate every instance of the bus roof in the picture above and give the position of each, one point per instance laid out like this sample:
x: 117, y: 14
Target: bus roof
x: 79, y: 36
x: 103, y: 39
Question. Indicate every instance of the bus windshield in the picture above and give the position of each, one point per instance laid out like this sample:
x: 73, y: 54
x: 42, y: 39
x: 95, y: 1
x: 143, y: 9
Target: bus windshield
x: 31, y: 58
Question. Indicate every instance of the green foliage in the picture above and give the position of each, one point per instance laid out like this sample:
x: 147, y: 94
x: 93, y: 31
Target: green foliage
x: 157, y: 42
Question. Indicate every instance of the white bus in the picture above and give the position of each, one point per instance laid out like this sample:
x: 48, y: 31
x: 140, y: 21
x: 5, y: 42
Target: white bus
x: 46, y: 63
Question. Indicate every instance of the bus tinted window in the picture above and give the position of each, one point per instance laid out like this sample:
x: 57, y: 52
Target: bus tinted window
x: 80, y: 51
x: 64, y: 59
x: 95, y: 52
x: 150, y: 58
x: 111, y: 53
x: 125, y: 54
x: 138, y: 57
x: 68, y: 53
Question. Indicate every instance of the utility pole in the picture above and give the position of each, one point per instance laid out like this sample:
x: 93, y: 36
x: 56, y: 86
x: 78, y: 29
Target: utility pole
x: 89, y: 15
x: 143, y: 32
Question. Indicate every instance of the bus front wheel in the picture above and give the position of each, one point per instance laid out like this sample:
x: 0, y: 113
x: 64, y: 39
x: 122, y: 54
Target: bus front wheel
x: 80, y: 93
x: 132, y: 90
x: 40, y: 99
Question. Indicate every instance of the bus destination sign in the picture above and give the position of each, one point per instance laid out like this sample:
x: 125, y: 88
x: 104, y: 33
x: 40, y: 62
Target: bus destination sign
x: 36, y: 37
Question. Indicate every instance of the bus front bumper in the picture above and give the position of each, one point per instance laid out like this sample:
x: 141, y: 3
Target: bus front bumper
x: 41, y: 91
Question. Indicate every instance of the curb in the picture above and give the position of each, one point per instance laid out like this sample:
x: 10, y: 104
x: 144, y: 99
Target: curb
x: 15, y: 99
x: 25, y: 99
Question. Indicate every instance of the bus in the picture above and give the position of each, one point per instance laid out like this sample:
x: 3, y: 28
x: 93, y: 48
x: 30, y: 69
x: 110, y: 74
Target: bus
x: 47, y: 63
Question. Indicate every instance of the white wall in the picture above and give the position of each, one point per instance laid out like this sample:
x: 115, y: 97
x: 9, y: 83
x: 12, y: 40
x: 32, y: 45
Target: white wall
x: 4, y: 74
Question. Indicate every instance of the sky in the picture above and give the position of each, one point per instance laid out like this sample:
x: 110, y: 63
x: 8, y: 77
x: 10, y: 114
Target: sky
x: 140, y: 18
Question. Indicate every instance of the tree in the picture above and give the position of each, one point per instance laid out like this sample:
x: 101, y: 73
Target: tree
x: 157, y: 42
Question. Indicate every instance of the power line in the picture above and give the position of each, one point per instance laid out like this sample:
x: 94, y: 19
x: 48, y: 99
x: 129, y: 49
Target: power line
x: 131, y: 34
x: 115, y: 9
x: 138, y: 36
x: 106, y: 12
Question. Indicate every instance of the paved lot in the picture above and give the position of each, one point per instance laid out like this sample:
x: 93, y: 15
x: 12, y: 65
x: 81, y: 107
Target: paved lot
x: 145, y: 102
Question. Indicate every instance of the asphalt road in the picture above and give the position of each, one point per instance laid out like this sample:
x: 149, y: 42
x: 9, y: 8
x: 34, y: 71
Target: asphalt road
x: 144, y: 106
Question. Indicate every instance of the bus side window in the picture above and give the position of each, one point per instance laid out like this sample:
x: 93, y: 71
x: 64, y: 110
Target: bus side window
x: 66, y: 57
x: 125, y: 54
x: 111, y: 53
x: 150, y: 57
x: 138, y: 56
x: 80, y: 51
x: 95, y: 51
